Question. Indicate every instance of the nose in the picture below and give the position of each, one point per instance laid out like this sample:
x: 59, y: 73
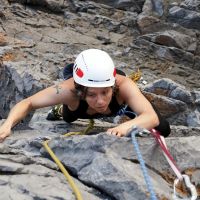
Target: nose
x: 100, y: 100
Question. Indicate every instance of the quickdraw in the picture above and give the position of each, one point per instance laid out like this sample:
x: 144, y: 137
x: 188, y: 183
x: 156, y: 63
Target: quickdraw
x: 180, y: 177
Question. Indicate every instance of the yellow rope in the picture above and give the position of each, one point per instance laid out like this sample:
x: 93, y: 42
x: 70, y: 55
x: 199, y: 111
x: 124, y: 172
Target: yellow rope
x: 60, y: 165
x: 89, y: 127
x: 64, y: 171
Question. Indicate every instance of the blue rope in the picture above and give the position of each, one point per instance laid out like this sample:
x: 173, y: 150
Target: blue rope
x: 135, y: 131
x: 123, y: 111
x: 142, y: 164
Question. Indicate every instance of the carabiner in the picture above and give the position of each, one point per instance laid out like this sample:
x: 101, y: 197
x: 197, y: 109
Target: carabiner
x: 189, y: 186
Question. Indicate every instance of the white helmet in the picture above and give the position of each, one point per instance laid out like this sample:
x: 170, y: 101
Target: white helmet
x: 94, y: 68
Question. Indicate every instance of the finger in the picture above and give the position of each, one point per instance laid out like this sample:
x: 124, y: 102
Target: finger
x: 111, y: 132
x: 114, y: 132
x: 117, y: 134
x: 2, y: 137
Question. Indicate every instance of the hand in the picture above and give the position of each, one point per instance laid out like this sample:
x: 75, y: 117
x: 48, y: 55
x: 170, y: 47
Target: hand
x: 120, y: 130
x: 4, y: 132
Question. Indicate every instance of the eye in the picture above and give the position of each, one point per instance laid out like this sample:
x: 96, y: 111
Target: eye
x: 90, y: 94
x: 105, y: 92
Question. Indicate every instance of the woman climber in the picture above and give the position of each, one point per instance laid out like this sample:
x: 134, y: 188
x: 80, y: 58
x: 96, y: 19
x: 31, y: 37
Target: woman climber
x: 93, y: 88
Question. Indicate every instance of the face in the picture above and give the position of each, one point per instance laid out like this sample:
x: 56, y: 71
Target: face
x: 99, y: 98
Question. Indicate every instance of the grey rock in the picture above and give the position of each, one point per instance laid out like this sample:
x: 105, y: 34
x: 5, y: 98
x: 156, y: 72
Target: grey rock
x: 186, y: 18
x: 158, y: 7
x: 191, y: 5
x: 134, y: 6
x: 173, y: 39
x: 172, y: 54
x: 91, y: 171
x: 38, y: 38
x: 197, y: 97
x: 170, y: 89
x: 184, y: 131
x: 196, y: 65
x: 166, y: 106
x: 193, y: 119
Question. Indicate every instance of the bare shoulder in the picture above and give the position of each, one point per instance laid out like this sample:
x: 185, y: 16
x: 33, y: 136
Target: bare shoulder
x: 65, y: 89
x: 131, y: 95
x: 122, y: 82
x: 65, y: 85
x: 125, y: 84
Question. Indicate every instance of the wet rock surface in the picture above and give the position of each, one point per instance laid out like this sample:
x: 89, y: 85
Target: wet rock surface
x: 38, y: 38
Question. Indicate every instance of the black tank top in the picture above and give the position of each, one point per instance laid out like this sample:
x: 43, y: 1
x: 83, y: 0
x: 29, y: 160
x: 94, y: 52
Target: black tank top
x: 81, y: 111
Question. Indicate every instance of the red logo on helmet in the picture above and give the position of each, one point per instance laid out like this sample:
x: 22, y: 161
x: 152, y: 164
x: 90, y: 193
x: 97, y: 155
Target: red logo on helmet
x: 79, y: 72
x: 114, y: 72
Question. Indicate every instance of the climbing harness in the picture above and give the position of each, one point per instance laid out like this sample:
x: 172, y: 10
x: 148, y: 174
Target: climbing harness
x: 180, y: 177
x: 55, y: 113
x: 123, y: 111
x: 60, y: 165
x: 135, y: 76
x: 133, y: 132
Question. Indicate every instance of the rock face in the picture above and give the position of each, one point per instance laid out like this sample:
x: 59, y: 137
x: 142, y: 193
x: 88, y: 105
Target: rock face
x: 38, y: 38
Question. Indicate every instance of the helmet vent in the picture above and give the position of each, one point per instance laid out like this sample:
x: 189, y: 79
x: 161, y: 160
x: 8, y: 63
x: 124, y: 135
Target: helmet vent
x: 98, y: 80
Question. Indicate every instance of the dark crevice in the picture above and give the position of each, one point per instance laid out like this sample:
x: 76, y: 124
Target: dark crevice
x: 11, y: 173
x: 41, y: 6
x: 101, y: 193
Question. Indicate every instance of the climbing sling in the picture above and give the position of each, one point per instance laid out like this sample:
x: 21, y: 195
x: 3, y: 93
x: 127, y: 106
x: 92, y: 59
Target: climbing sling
x: 180, y: 177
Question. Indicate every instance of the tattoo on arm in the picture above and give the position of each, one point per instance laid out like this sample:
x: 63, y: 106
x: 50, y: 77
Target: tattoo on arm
x: 58, y: 88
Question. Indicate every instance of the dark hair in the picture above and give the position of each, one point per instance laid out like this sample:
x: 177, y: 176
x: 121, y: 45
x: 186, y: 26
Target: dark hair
x: 80, y: 91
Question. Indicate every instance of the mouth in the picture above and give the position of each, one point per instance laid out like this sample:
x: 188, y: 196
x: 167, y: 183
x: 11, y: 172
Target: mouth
x: 103, y: 108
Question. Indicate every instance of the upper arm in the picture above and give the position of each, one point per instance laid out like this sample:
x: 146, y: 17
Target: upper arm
x: 134, y: 98
x: 60, y: 93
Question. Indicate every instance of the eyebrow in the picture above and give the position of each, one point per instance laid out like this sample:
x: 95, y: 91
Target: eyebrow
x: 104, y: 89
x: 90, y: 92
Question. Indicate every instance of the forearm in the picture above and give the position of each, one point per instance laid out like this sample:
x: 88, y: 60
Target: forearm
x: 146, y: 121
x: 17, y: 113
